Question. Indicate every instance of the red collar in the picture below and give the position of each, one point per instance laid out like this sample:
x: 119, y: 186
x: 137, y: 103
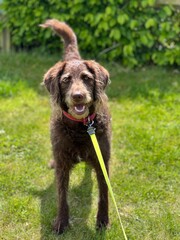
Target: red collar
x: 85, y: 121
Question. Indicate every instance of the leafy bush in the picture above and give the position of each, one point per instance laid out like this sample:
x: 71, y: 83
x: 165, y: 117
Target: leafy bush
x: 133, y: 32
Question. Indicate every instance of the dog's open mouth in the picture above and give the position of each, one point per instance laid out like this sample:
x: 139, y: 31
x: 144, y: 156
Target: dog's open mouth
x: 79, y: 109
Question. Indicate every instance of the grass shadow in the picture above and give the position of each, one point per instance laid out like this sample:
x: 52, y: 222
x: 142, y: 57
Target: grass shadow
x: 27, y: 69
x: 24, y: 70
x: 152, y: 83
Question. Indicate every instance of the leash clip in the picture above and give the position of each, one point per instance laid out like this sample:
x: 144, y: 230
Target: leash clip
x: 91, y: 129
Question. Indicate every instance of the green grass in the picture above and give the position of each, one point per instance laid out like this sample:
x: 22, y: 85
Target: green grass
x: 145, y: 164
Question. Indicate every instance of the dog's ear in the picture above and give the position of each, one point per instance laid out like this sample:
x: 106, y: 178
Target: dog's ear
x: 100, y: 73
x: 52, y: 76
x: 101, y: 77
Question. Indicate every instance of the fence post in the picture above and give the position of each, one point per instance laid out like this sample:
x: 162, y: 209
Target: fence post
x: 5, y: 43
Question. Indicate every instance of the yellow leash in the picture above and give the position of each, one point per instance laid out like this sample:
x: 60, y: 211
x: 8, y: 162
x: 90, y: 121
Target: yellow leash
x: 91, y: 132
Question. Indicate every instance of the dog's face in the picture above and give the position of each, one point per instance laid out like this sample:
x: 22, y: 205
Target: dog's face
x: 77, y: 86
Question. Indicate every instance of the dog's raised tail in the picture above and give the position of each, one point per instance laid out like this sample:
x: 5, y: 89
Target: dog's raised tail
x: 70, y: 41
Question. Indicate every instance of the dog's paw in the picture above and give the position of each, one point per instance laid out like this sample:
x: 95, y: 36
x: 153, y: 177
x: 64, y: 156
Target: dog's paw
x: 102, y: 223
x: 60, y: 226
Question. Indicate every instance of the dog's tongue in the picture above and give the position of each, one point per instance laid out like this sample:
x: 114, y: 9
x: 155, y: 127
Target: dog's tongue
x: 79, y: 108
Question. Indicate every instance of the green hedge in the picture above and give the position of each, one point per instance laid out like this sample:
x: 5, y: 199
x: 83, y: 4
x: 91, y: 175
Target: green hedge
x: 132, y: 32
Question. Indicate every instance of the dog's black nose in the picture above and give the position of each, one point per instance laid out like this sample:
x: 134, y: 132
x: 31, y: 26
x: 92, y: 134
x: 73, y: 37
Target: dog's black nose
x: 77, y: 97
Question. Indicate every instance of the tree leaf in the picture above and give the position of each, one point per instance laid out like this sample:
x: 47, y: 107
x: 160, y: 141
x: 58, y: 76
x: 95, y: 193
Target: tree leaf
x: 122, y: 18
x: 150, y: 23
x: 115, y: 34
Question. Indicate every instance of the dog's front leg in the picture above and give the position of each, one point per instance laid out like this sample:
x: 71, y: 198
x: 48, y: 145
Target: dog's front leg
x: 62, y: 179
x: 102, y: 215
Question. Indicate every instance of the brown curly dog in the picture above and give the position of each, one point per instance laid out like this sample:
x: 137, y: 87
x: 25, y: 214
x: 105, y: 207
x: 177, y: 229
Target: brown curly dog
x: 77, y: 93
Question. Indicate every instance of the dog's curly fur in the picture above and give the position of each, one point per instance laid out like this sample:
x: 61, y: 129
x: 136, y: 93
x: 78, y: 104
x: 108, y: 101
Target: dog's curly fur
x: 77, y: 86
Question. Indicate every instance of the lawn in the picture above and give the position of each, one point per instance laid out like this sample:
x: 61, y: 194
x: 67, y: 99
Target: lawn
x: 145, y: 162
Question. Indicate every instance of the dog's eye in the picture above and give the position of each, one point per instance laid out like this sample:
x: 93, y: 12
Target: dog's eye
x: 66, y: 79
x: 86, y: 78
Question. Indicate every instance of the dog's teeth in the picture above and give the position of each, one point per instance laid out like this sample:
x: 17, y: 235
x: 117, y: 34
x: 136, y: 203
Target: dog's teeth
x: 79, y: 108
